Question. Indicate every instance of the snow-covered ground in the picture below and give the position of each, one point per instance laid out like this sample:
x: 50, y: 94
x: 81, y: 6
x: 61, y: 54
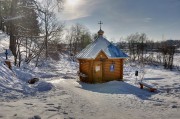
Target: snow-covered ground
x: 113, y: 100
x: 60, y: 95
x: 176, y: 59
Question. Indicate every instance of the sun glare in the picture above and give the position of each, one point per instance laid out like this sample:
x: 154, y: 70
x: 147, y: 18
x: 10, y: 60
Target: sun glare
x: 72, y: 2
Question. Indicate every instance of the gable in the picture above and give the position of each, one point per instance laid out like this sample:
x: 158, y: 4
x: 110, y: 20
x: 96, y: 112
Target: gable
x: 101, y: 55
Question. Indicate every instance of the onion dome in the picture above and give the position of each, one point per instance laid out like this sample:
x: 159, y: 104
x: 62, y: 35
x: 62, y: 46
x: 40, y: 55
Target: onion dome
x: 100, y: 32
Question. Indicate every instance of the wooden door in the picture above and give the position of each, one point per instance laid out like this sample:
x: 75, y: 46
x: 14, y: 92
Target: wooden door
x: 97, y: 70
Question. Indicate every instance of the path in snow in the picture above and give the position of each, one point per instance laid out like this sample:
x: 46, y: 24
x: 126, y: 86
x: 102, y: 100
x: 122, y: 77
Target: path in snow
x: 68, y: 100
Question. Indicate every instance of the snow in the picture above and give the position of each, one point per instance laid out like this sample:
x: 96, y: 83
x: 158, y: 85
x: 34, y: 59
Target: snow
x: 44, y: 86
x: 177, y: 59
x: 70, y: 98
x: 59, y: 94
x: 12, y: 85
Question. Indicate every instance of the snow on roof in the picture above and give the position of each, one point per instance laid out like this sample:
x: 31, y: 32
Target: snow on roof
x: 101, y: 44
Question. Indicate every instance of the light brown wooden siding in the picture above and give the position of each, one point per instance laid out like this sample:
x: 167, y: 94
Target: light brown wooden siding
x: 112, y: 75
x: 88, y: 67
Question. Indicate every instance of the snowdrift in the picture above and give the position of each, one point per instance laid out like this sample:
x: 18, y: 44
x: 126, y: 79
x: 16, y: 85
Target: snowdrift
x: 12, y: 86
x: 13, y: 83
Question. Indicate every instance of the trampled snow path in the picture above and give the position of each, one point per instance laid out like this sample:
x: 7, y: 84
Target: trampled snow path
x: 112, y: 104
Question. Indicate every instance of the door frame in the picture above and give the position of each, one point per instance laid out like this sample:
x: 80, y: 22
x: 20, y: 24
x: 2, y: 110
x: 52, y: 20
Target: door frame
x: 99, y: 73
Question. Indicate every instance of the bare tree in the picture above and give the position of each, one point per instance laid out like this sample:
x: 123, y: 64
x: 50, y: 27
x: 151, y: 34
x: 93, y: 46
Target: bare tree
x: 12, y: 44
x: 168, y: 51
x: 51, y: 28
x: 20, y: 19
x: 78, y: 38
x: 132, y: 45
x: 136, y: 45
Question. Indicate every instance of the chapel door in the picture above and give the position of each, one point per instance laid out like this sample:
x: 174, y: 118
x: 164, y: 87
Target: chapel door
x: 97, y: 71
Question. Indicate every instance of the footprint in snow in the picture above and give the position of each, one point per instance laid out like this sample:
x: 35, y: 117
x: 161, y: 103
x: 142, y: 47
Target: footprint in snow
x: 49, y: 104
x: 52, y: 110
x: 1, y: 116
x: 28, y: 103
x: 65, y: 112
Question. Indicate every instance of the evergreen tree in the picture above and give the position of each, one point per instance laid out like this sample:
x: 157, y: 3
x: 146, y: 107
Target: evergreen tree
x: 28, y: 25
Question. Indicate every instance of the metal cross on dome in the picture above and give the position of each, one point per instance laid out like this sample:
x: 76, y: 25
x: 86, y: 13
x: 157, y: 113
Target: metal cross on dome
x: 100, y: 23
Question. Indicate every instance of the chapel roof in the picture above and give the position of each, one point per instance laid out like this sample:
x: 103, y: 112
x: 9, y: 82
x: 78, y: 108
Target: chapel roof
x: 101, y: 44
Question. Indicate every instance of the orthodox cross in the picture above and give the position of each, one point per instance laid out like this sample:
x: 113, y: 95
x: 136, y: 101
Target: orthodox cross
x: 100, y: 24
x: 6, y: 53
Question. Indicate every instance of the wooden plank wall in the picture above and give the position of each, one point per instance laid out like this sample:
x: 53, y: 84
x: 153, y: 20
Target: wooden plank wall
x: 113, y: 75
x: 87, y: 67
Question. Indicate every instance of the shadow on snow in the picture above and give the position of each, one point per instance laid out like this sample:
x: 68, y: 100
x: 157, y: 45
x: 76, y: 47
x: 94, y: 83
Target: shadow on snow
x: 153, y: 78
x: 117, y: 87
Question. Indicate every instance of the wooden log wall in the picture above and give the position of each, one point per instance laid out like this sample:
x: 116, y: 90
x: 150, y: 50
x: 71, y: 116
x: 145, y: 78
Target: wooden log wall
x: 87, y: 67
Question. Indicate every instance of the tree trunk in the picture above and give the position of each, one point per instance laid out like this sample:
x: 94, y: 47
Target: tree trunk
x: 46, y: 35
x: 12, y: 44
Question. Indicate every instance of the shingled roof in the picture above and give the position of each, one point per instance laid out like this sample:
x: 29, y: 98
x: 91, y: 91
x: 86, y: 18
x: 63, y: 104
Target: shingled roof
x: 101, y: 44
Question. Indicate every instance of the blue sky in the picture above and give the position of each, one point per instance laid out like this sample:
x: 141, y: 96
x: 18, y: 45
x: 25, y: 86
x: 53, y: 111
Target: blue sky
x: 121, y: 18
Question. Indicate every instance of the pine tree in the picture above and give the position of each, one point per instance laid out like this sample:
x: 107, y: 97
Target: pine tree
x: 28, y: 25
x: 21, y: 22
